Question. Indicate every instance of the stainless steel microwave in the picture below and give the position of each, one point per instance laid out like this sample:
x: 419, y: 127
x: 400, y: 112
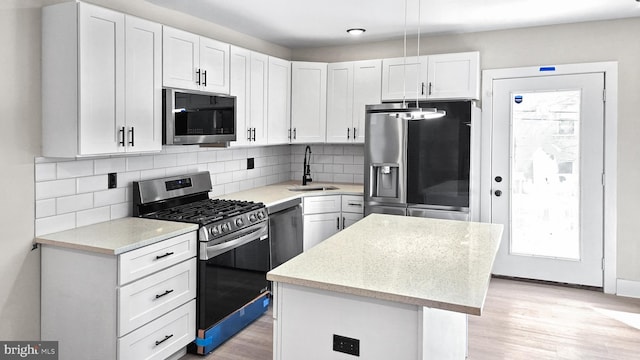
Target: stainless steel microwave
x: 195, y: 117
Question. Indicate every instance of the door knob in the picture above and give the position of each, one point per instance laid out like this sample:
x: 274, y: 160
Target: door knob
x: 498, y: 192
x: 498, y: 178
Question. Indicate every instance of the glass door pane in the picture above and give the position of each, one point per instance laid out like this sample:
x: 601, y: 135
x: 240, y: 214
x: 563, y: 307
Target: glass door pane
x: 545, y: 181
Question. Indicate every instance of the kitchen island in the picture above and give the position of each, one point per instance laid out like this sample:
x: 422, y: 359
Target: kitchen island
x: 388, y: 287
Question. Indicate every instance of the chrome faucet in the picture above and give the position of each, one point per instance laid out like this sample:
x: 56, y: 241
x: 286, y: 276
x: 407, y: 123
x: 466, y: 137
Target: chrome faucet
x: 306, y: 167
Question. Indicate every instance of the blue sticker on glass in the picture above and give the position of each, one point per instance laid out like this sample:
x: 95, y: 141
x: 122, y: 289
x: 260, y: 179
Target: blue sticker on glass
x: 548, y: 68
x: 518, y: 99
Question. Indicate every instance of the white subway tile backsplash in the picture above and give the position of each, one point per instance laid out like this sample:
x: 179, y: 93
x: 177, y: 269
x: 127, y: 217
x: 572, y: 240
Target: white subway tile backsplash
x: 67, y: 204
x: 109, y: 197
x: 93, y: 216
x: 343, y: 178
x: 110, y: 165
x: 55, y: 188
x: 152, y: 174
x: 164, y: 161
x: 119, y: 211
x: 358, y: 179
x: 139, y: 163
x: 45, y: 208
x: 73, y: 169
x: 45, y: 171
x: 125, y: 179
x: 54, y: 224
x: 93, y: 183
x: 64, y: 187
x: 189, y: 158
x: 232, y: 165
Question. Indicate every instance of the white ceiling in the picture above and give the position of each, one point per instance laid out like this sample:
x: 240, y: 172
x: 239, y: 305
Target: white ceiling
x: 304, y: 23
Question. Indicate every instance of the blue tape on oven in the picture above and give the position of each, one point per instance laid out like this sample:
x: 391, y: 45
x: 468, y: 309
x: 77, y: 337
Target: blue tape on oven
x: 265, y: 302
x: 548, y: 68
x: 204, y: 342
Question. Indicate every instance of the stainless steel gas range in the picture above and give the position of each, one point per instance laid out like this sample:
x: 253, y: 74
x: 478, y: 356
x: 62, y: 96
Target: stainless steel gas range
x: 233, y: 252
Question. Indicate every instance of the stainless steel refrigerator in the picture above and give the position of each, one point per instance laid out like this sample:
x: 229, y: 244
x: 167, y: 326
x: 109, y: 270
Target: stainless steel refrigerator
x: 426, y: 167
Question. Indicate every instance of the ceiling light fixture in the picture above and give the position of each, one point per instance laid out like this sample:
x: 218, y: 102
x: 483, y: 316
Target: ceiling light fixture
x: 356, y: 31
x: 417, y: 113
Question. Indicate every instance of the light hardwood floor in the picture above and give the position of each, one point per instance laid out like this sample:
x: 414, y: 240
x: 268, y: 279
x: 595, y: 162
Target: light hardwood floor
x: 521, y: 320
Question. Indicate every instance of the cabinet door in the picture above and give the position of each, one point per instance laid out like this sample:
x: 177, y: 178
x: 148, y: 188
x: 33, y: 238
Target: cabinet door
x: 180, y: 58
x: 454, y: 76
x: 340, y: 95
x: 319, y: 227
x: 367, y: 87
x: 143, y: 84
x: 240, y: 88
x: 349, y: 219
x: 308, y: 102
x: 321, y: 204
x: 101, y: 80
x: 278, y: 108
x: 259, y: 97
x: 214, y: 66
x: 404, y: 79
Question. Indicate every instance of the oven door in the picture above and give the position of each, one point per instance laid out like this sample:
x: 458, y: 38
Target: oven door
x: 232, y: 274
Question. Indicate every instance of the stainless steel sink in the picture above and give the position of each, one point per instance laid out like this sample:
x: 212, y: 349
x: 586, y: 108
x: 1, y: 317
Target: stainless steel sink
x: 312, y: 188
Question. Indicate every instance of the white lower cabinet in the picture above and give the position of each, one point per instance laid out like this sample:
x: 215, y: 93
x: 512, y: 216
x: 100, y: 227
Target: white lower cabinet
x: 324, y: 216
x: 136, y: 305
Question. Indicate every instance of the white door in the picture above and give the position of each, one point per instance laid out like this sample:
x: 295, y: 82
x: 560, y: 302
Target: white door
x: 404, y: 78
x: 101, y: 81
x: 214, y: 66
x: 143, y: 84
x: 259, y: 97
x: 367, y: 86
x: 240, y: 88
x: 278, y: 105
x: 547, y: 171
x: 339, y: 102
x: 308, y: 102
x: 454, y: 76
x: 180, y: 58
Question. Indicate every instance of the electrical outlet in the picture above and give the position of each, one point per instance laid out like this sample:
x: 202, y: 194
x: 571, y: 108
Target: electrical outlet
x: 113, y: 181
x: 346, y: 345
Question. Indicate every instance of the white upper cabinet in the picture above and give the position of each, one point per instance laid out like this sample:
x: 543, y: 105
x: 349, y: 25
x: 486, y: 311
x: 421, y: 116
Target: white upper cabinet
x: 100, y: 82
x: 249, y: 86
x: 433, y: 77
x: 308, y: 102
x: 279, y: 101
x: 351, y: 86
x: 194, y: 62
x: 454, y: 76
x: 404, y: 78
x: 143, y: 84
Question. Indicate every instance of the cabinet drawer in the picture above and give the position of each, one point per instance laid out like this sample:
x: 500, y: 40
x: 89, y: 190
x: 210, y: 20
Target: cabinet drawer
x: 146, y: 299
x: 321, y: 204
x: 149, y: 259
x: 162, y: 337
x: 352, y: 204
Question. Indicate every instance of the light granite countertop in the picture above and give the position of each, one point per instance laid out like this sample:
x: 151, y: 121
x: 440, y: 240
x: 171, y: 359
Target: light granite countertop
x: 441, y: 264
x: 117, y: 236
x: 275, y: 194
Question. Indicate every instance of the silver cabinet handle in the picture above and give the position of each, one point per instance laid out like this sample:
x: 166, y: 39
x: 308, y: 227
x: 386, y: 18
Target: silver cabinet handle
x: 354, y: 204
x: 198, y: 74
x: 348, y: 133
x: 294, y: 133
x: 343, y: 220
x: 204, y: 78
x: 249, y: 134
x: 354, y: 133
x: 254, y: 134
x: 338, y: 223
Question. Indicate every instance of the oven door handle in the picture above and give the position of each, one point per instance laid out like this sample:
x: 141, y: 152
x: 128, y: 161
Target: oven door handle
x: 260, y: 232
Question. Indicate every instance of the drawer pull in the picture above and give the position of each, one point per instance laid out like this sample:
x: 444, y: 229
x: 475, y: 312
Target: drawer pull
x: 165, y: 293
x: 354, y: 204
x: 167, y: 337
x: 163, y: 256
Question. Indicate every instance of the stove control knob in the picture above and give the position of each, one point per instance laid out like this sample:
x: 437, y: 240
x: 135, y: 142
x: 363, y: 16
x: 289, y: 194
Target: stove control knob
x: 260, y: 215
x: 239, y: 222
x: 214, y: 231
x: 225, y: 227
x: 252, y: 217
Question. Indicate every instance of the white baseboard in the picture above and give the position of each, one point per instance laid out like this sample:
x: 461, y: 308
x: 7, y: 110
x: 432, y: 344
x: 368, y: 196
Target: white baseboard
x: 628, y: 288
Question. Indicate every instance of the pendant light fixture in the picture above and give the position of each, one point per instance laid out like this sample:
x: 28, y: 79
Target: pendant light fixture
x: 416, y: 113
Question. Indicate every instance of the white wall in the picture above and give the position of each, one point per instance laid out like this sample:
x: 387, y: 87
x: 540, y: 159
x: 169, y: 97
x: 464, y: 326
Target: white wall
x: 563, y: 44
